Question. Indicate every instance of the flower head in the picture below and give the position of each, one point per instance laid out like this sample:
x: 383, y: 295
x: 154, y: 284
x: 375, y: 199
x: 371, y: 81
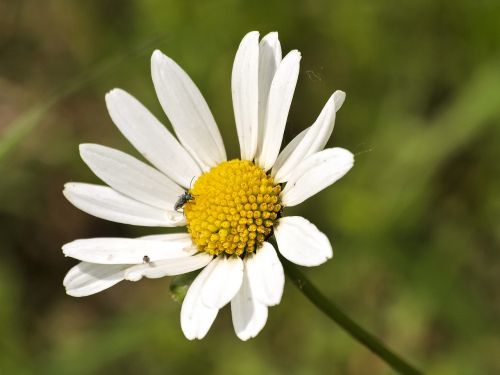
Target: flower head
x: 230, y: 207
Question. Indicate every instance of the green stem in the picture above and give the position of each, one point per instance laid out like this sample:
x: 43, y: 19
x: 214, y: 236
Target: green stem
x: 333, y: 312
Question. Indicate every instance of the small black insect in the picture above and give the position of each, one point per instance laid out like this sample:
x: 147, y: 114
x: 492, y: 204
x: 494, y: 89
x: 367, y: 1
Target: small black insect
x: 146, y: 259
x: 183, y: 199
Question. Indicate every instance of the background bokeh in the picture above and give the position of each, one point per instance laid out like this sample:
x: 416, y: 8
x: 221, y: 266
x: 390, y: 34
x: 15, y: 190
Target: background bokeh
x: 415, y: 224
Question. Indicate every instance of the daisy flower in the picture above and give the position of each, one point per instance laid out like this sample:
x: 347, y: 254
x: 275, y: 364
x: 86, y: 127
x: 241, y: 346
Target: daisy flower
x: 230, y: 208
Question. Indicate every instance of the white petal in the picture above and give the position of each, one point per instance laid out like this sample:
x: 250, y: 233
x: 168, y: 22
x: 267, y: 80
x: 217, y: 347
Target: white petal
x: 249, y: 315
x: 167, y: 237
x: 127, y: 250
x: 314, y: 140
x: 288, y: 151
x: 245, y: 90
x: 266, y: 275
x: 269, y: 60
x: 151, y: 138
x: 224, y: 281
x: 168, y: 267
x: 85, y: 278
x: 301, y: 242
x: 339, y: 97
x: 315, y: 173
x: 188, y: 111
x: 106, y: 203
x: 131, y: 177
x: 196, y: 318
x: 278, y: 105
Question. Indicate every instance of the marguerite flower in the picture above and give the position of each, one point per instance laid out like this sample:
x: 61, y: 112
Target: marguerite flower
x: 230, y: 208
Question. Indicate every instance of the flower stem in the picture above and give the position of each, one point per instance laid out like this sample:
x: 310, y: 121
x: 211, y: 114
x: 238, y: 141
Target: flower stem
x: 333, y: 312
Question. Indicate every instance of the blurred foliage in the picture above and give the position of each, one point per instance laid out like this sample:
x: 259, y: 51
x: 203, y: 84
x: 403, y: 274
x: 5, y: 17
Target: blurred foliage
x: 414, y: 224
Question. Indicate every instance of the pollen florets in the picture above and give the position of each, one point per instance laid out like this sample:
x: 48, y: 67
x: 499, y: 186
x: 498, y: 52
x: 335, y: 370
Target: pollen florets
x: 234, y: 208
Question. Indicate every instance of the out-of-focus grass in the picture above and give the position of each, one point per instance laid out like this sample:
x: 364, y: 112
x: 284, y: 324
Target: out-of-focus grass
x: 414, y: 224
x: 21, y: 127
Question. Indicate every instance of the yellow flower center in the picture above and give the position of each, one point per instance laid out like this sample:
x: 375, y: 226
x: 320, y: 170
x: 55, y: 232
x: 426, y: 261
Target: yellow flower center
x: 234, y: 208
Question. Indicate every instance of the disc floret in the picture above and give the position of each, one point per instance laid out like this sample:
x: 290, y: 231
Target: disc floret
x: 234, y: 209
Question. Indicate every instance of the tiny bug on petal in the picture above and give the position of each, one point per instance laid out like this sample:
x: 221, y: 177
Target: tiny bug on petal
x: 183, y: 199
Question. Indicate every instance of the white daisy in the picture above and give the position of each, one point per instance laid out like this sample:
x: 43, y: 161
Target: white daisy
x: 230, y: 208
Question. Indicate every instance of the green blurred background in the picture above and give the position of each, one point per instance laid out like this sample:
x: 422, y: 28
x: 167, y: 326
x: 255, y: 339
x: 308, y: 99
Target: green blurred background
x: 415, y: 224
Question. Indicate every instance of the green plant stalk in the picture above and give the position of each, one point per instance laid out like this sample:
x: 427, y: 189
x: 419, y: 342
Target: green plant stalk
x: 334, y: 313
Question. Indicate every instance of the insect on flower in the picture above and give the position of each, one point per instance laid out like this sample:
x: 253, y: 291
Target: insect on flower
x: 183, y: 199
x: 239, y: 201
